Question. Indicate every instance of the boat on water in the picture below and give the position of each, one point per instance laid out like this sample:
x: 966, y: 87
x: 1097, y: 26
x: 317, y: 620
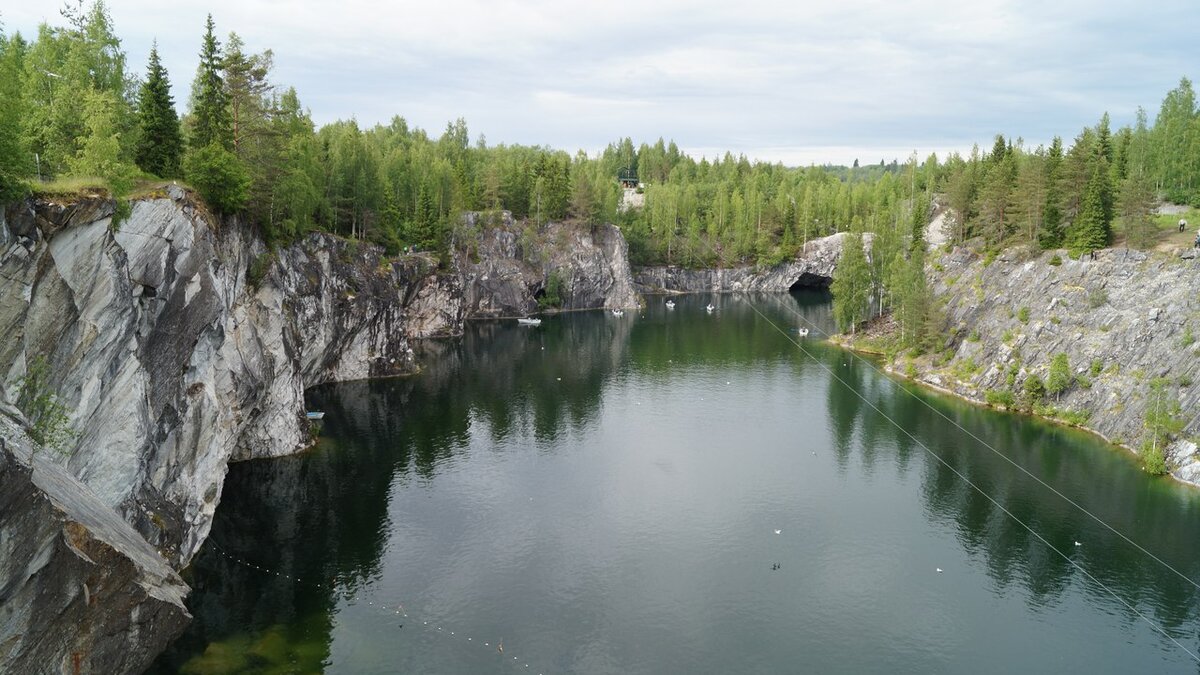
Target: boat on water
x: 710, y: 308
x: 802, y: 331
x: 315, y: 414
x: 670, y: 304
x: 528, y: 321
x: 618, y: 312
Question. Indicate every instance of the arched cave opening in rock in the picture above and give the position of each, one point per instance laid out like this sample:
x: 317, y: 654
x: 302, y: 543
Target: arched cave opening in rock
x: 810, y: 282
x: 539, y: 293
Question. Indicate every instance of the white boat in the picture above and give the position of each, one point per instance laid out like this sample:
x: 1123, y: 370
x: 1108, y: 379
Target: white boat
x: 670, y: 304
x: 527, y: 321
x: 618, y: 312
x: 802, y: 331
x: 314, y: 415
x: 710, y: 308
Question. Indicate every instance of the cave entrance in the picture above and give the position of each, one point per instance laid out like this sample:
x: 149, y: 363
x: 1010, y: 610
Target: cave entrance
x: 810, y: 282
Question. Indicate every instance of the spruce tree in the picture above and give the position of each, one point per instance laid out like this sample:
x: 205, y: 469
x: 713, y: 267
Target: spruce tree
x: 159, y: 145
x: 1051, y: 235
x: 210, y: 104
x: 1136, y: 207
x: 1091, y: 230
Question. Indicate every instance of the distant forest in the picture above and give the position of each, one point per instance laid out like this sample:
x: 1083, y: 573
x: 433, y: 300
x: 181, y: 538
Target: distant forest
x: 74, y: 114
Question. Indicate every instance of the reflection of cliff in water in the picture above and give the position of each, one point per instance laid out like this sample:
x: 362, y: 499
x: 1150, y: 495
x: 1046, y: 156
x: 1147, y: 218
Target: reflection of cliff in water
x: 1158, y: 515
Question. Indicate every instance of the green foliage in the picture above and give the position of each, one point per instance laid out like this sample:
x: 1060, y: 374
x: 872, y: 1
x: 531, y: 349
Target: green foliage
x: 1097, y: 297
x: 1023, y: 315
x: 1055, y: 260
x: 1137, y: 203
x: 851, y: 285
x: 1035, y: 388
x: 966, y: 369
x: 50, y: 426
x: 1000, y: 398
x: 1188, y: 338
x: 100, y: 153
x: 211, y: 122
x: 13, y: 155
x: 554, y: 289
x: 1153, y: 460
x: 160, y: 145
x: 1060, y: 377
x: 1163, y: 420
x: 257, y: 271
x: 1096, y: 367
x: 219, y: 177
x: 1007, y: 337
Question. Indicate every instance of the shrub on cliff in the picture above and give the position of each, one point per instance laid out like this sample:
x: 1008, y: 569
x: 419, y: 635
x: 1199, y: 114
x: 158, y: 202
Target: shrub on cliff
x: 219, y: 177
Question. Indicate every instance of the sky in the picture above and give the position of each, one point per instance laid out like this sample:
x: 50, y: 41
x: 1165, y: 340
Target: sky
x: 795, y: 82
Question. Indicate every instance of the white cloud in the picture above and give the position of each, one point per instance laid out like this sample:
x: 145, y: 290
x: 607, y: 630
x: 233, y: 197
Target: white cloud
x: 785, y: 80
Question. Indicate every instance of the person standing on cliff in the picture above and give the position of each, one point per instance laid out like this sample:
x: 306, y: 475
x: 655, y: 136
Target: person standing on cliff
x: 1182, y: 224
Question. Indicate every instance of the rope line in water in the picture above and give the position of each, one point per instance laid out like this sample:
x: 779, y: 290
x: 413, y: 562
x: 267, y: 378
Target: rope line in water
x: 392, y: 609
x: 968, y: 481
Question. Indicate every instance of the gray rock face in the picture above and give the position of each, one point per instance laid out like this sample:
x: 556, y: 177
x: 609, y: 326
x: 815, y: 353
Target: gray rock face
x: 173, y: 364
x: 80, y: 590
x: 505, y: 269
x: 814, y: 267
x: 1135, y: 316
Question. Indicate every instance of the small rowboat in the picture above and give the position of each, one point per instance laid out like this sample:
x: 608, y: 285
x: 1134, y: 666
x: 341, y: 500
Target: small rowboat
x: 526, y: 321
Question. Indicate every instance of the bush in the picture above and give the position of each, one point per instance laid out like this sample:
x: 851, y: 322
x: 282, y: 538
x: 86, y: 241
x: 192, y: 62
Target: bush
x: 1023, y: 315
x: 1153, y: 460
x: 1055, y: 260
x: 999, y: 397
x: 1097, y: 366
x: 1097, y: 297
x: 1035, y: 388
x: 1060, y: 377
x: 257, y: 270
x: 553, y: 295
x: 219, y: 177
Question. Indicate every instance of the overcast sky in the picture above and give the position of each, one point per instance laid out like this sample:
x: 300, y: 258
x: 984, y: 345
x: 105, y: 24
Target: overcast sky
x: 798, y: 82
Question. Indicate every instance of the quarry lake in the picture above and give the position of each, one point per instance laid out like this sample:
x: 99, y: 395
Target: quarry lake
x: 677, y: 491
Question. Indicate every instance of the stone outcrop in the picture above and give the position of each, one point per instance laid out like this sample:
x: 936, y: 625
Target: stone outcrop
x: 505, y: 268
x: 812, y: 268
x: 179, y: 345
x: 80, y: 590
x: 1123, y: 319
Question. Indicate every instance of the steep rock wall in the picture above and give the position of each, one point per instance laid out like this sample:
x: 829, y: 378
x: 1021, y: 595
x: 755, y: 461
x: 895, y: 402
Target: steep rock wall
x: 505, y: 268
x: 173, y: 363
x: 813, y: 267
x: 80, y: 590
x: 1134, y: 315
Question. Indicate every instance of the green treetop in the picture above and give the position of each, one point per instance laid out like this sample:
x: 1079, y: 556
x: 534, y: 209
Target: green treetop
x: 210, y: 104
x: 159, y: 144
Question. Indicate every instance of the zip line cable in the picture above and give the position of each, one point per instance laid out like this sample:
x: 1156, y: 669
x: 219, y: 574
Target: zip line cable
x: 1012, y: 462
x: 968, y: 481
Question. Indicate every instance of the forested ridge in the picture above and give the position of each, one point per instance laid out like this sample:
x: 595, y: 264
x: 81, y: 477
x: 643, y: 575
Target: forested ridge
x: 74, y: 113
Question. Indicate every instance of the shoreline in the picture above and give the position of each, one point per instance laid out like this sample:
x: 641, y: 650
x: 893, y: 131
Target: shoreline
x: 847, y: 344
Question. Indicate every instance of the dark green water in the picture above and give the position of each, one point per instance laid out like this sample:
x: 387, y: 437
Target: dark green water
x: 601, y: 494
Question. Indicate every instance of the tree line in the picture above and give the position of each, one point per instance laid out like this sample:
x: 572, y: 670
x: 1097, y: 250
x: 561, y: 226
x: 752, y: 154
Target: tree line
x: 249, y: 146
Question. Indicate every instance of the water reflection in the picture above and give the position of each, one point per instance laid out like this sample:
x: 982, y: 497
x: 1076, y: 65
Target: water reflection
x: 572, y: 387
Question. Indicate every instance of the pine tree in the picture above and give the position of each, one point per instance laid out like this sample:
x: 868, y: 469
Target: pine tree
x: 210, y: 105
x: 159, y: 144
x: 851, y: 285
